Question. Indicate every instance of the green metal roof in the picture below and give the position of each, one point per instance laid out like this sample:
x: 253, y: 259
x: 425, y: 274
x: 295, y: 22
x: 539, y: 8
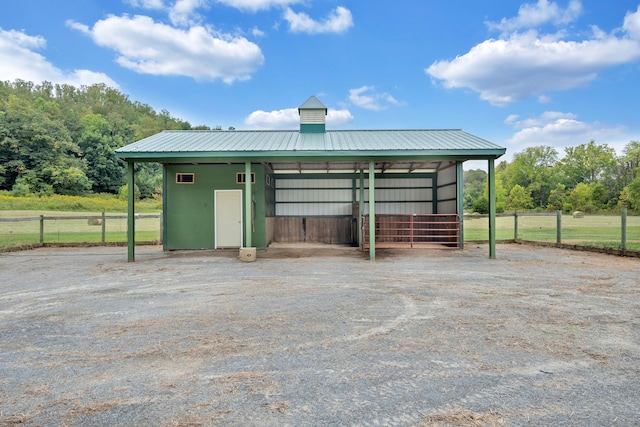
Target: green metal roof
x: 292, y: 145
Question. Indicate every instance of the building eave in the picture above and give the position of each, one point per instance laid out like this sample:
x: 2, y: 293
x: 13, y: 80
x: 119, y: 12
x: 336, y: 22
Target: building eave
x: 321, y: 156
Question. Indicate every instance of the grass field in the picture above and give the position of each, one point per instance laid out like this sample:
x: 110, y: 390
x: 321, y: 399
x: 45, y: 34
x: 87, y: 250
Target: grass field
x: 61, y: 230
x: 597, y: 230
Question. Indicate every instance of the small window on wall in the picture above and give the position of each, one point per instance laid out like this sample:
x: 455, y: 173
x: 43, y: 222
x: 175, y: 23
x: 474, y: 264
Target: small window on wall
x: 185, y: 178
x: 241, y: 178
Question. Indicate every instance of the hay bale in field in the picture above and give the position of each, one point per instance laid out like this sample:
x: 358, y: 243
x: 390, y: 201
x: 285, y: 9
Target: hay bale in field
x: 94, y: 221
x: 578, y: 214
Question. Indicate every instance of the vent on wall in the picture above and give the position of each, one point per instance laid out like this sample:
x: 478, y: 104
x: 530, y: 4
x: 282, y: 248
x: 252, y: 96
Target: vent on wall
x: 241, y: 178
x: 185, y: 178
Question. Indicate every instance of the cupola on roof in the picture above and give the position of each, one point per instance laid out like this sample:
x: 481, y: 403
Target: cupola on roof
x: 312, y: 116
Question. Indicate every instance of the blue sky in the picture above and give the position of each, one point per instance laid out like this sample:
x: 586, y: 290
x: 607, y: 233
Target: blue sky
x: 520, y: 74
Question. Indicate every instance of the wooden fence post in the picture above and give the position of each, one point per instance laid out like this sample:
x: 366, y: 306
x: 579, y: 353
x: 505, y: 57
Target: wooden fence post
x: 104, y: 227
x: 623, y: 231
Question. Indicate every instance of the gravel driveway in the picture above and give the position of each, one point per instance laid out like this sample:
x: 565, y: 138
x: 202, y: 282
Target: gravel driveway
x: 539, y: 336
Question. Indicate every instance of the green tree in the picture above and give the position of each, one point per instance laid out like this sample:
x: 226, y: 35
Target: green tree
x: 631, y: 159
x: 557, y: 198
x: 474, y: 182
x: 482, y: 203
x: 59, y: 137
x: 519, y: 199
x: 581, y: 198
x: 599, y: 196
x: 105, y: 171
x: 71, y: 181
x: 33, y: 183
x: 534, y: 169
x: 123, y: 192
x: 30, y: 141
x: 587, y: 163
x: 630, y: 196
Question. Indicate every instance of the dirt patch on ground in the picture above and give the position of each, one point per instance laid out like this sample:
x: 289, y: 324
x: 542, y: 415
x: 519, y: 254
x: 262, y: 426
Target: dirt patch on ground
x: 462, y: 417
x: 319, y: 336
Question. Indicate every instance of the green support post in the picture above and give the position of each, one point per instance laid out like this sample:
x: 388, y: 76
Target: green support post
x: 434, y: 194
x: 515, y: 225
x: 492, y: 209
x: 623, y: 231
x: 372, y: 212
x: 558, y: 226
x: 163, y: 218
x: 247, y: 204
x: 360, y: 207
x: 131, y: 212
x: 460, y: 191
x: 42, y: 229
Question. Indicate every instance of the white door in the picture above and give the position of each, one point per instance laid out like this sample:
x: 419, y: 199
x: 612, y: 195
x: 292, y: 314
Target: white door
x: 228, y: 220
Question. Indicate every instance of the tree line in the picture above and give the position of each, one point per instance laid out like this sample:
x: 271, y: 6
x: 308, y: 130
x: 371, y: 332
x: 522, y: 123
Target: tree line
x: 60, y: 139
x: 589, y: 177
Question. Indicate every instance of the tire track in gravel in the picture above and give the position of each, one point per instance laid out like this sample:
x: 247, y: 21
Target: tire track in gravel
x: 409, y: 312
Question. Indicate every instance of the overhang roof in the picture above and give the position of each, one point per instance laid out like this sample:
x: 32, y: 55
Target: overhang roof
x: 282, y: 146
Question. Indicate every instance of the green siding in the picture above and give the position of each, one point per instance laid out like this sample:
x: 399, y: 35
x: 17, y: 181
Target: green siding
x: 189, y: 208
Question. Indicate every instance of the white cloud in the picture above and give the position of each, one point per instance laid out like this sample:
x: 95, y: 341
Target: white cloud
x: 256, y: 5
x: 183, y: 12
x: 289, y: 119
x: 276, y: 119
x: 256, y: 32
x: 338, y: 21
x: 543, y: 12
x: 557, y: 129
x: 632, y: 24
x: 338, y: 118
x: 20, y: 61
x: 544, y: 99
x: 528, y: 64
x: 147, y: 4
x: 366, y: 97
x: 148, y: 47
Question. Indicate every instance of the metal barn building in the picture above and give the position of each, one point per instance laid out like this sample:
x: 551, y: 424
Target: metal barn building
x: 373, y: 188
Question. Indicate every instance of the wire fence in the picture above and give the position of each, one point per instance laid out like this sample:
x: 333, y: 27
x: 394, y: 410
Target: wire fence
x: 76, y: 229
x: 620, y: 231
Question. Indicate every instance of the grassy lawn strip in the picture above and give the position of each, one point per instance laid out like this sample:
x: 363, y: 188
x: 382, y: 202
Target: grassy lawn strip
x: 592, y: 230
x: 95, y: 203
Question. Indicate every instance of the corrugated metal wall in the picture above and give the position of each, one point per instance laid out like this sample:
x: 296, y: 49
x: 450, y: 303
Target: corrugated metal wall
x: 400, y: 195
x: 448, y: 190
x: 314, y: 197
x: 308, y: 197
